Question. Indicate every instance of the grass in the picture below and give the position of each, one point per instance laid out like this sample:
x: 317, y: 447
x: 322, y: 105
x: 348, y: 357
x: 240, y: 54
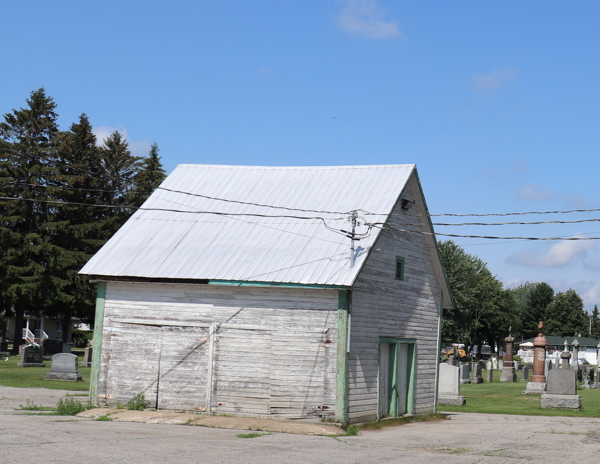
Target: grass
x: 252, y: 434
x: 506, y: 398
x: 103, y: 417
x: 35, y: 377
x: 31, y: 406
x: 395, y: 421
x: 68, y: 406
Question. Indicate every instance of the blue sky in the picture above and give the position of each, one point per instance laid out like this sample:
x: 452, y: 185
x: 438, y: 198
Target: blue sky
x: 498, y: 103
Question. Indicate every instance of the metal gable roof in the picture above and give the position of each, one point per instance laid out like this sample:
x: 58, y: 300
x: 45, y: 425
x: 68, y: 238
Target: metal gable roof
x: 245, y: 223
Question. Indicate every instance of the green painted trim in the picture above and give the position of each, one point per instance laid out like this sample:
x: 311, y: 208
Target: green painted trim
x: 97, y: 342
x: 341, y: 371
x: 411, y: 392
x: 400, y: 261
x: 242, y: 283
x: 439, y: 350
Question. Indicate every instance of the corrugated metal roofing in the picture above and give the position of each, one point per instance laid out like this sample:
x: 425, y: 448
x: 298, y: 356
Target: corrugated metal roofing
x: 284, y: 245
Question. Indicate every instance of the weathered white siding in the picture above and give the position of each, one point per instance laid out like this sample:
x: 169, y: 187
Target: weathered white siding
x: 268, y: 351
x: 385, y: 307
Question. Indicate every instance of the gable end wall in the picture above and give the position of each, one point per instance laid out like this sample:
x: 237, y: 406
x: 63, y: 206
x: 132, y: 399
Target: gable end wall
x: 385, y: 307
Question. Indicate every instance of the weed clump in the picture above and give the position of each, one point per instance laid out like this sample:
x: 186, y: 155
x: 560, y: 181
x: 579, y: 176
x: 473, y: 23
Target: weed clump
x: 69, y: 407
x: 138, y: 402
x: 352, y: 430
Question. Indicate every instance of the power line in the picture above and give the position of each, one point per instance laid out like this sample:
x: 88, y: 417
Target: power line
x: 489, y: 237
x: 262, y: 205
x: 303, y: 218
x: 577, y: 221
x: 525, y: 213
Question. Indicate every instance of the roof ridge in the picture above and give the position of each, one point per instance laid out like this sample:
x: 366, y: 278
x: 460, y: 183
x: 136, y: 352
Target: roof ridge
x: 360, y: 166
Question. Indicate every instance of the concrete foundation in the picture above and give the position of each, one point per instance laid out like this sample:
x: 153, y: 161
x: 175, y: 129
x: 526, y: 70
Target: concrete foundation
x: 453, y: 400
x: 560, y: 401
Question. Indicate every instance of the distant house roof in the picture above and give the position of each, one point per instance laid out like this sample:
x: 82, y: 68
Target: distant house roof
x: 560, y: 341
x: 254, y: 224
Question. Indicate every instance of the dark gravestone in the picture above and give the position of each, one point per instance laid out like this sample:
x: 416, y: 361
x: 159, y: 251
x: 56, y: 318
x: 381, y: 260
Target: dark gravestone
x: 464, y: 374
x: 52, y: 346
x: 562, y: 382
x: 31, y: 357
x: 64, y: 367
x: 87, y: 357
x: 526, y: 373
x: 3, y: 346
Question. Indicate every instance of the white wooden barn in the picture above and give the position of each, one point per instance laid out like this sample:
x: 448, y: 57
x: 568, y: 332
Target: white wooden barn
x: 237, y: 289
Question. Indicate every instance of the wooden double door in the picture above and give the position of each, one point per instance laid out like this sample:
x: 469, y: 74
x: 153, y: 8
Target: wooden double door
x: 396, y: 378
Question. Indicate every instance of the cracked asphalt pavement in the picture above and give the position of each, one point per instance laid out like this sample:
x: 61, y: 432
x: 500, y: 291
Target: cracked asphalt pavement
x: 465, y: 439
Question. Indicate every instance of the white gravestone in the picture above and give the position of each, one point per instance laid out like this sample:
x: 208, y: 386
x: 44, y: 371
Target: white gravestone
x: 449, y: 385
x: 64, y: 367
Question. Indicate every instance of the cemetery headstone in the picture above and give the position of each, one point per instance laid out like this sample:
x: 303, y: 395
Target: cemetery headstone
x: 449, y: 386
x: 561, y: 390
x: 540, y: 367
x: 565, y: 356
x: 494, y: 363
x: 477, y: 377
x: 31, y: 356
x: 490, y: 375
x: 64, y: 367
x: 575, y: 358
x: 464, y: 374
x: 52, y: 346
x: 87, y: 357
x: 508, y: 371
x: 500, y: 364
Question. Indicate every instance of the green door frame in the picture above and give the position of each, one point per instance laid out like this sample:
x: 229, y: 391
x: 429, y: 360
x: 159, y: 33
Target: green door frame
x: 393, y: 373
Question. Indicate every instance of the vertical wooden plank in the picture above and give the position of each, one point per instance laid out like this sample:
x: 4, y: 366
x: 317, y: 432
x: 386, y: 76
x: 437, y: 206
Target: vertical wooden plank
x: 412, y: 378
x: 97, y: 342
x: 341, y: 379
x: 402, y: 378
x: 383, y: 407
x: 393, y: 380
x: 209, y: 376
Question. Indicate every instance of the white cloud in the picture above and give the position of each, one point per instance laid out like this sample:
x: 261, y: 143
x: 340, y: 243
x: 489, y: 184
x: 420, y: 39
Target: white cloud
x: 265, y: 70
x: 494, y: 80
x: 535, y: 193
x: 592, y: 295
x: 137, y: 147
x: 365, y: 18
x: 560, y: 254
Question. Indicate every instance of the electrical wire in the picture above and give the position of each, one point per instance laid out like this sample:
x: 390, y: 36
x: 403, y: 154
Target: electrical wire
x: 489, y: 237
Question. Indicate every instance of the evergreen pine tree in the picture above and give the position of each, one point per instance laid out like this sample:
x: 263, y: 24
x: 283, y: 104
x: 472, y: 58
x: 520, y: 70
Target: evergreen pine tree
x: 26, y: 163
x: 149, y: 177
x: 595, y: 322
x: 77, y: 230
x: 118, y: 181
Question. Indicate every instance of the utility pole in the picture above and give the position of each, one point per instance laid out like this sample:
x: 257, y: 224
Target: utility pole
x: 352, y: 255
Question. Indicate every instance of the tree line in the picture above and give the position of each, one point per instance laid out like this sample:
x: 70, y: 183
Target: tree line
x: 485, y: 310
x: 61, y: 179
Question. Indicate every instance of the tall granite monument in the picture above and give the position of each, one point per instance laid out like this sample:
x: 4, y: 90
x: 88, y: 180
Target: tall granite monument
x: 508, y: 371
x: 538, y: 379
